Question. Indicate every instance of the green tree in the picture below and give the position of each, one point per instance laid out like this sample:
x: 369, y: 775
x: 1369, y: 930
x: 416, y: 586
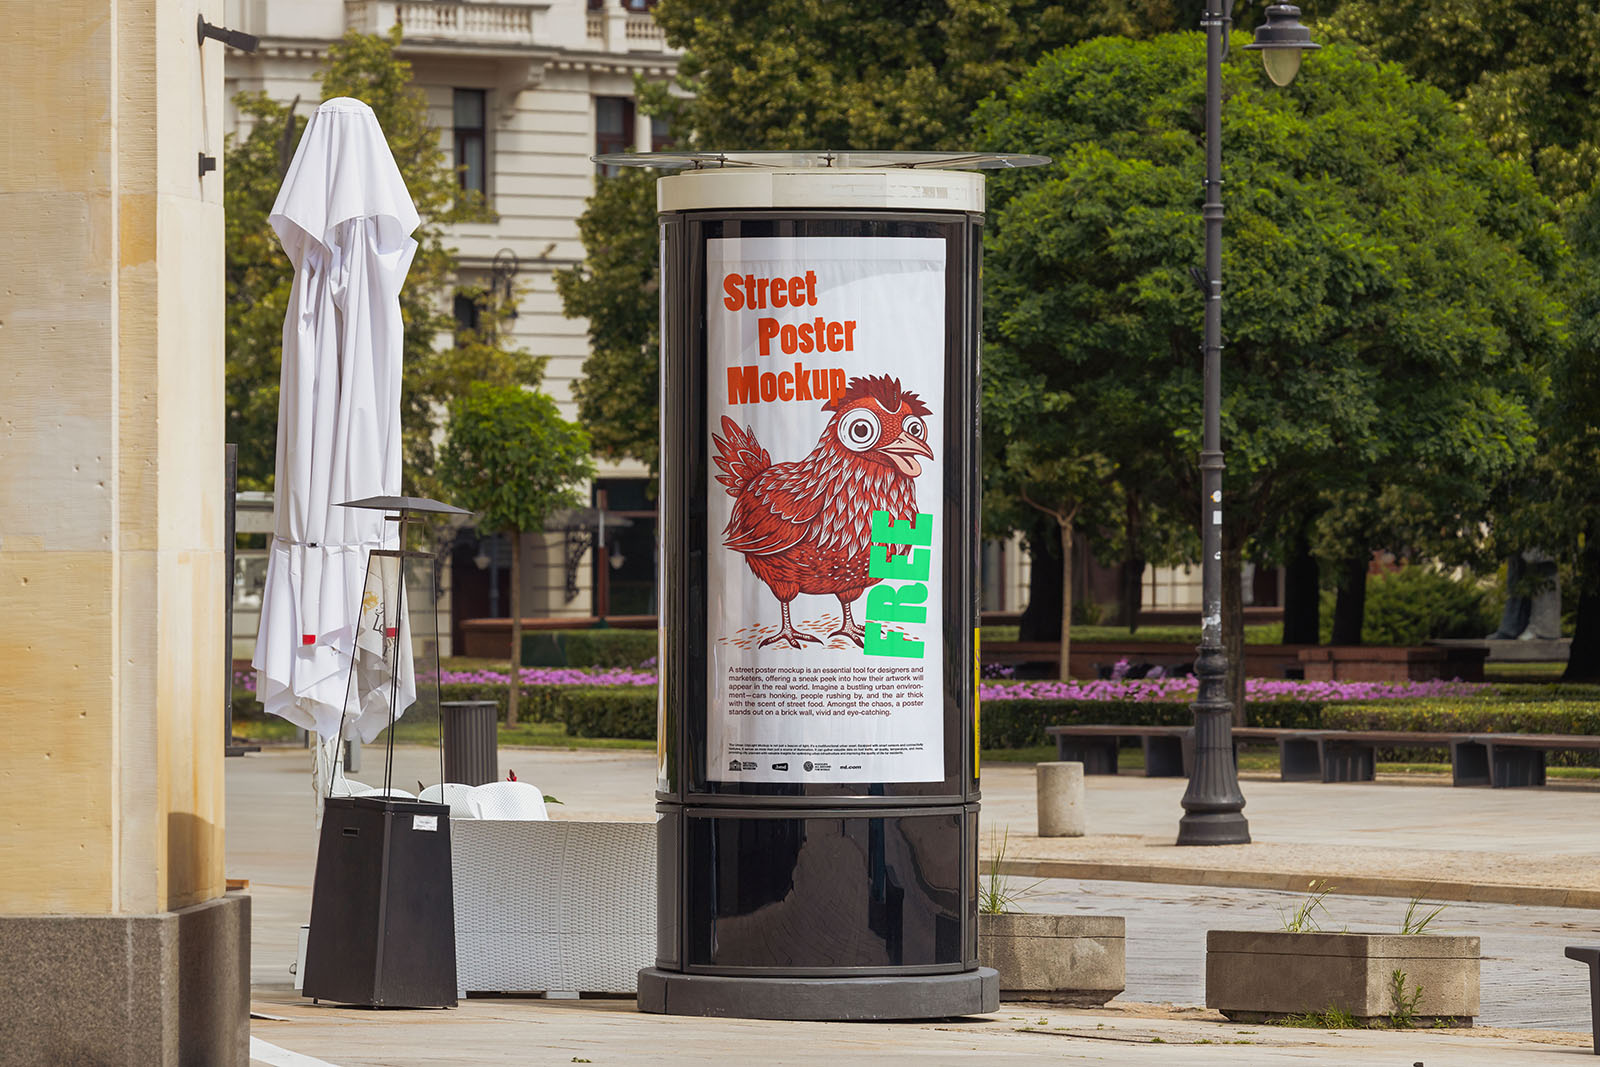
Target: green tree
x: 258, y: 274
x: 1525, y: 78
x: 513, y: 459
x: 798, y: 74
x: 1388, y: 281
x: 1523, y: 71
x: 616, y: 288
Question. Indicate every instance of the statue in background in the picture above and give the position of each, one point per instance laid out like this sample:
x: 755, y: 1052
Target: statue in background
x: 1536, y: 615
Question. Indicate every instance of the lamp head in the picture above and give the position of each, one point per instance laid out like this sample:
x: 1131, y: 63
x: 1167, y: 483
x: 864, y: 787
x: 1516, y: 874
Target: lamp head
x: 1282, y: 40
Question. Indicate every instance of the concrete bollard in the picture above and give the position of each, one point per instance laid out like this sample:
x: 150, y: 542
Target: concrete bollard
x: 1061, y: 800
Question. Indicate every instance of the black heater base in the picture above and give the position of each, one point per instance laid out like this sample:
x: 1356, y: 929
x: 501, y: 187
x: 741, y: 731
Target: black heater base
x: 383, y: 908
x: 932, y: 996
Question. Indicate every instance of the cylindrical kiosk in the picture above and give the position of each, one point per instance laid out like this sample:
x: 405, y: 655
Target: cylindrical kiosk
x: 818, y: 783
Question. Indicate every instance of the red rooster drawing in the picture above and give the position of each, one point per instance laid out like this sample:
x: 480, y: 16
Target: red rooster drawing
x: 805, y: 527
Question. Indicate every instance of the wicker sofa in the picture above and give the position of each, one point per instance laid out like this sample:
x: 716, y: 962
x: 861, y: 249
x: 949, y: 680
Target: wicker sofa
x: 553, y: 906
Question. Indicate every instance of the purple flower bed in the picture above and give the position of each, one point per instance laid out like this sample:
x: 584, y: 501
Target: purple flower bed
x: 1255, y: 690
x: 554, y: 676
x: 1115, y: 688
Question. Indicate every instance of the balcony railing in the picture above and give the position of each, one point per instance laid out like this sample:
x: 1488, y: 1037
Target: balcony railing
x: 440, y: 20
x: 615, y: 29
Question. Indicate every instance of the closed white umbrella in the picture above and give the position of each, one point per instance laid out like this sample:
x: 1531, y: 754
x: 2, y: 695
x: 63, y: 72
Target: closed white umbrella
x: 345, y: 219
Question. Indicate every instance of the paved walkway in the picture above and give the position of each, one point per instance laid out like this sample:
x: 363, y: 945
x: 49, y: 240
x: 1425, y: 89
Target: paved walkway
x: 539, y: 1032
x: 1526, y: 980
x: 1466, y: 840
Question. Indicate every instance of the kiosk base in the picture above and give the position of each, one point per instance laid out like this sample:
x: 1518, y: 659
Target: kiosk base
x: 923, y: 996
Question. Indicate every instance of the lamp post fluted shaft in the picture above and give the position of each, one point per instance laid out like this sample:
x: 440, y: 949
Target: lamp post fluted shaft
x: 1213, y: 805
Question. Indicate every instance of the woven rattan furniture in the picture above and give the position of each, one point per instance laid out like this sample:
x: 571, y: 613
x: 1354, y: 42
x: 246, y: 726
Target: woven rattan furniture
x: 553, y: 906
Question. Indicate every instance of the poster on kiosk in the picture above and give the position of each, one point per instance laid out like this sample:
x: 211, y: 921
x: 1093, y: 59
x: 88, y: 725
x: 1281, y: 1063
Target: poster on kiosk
x: 825, y: 375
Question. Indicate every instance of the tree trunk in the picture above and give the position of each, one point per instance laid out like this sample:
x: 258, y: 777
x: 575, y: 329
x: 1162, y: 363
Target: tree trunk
x: 516, y: 628
x: 1042, y: 617
x: 1302, y: 595
x: 1583, y: 660
x: 1066, y: 599
x: 1351, y: 606
x: 1233, y: 623
x: 1131, y: 580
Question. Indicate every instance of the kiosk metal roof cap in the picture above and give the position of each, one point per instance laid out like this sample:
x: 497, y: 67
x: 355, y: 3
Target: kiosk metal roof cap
x: 881, y: 181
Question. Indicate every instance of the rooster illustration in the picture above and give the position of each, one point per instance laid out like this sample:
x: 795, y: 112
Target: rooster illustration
x: 805, y: 527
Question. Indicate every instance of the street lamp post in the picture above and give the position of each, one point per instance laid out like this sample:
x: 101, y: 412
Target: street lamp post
x: 1213, y: 805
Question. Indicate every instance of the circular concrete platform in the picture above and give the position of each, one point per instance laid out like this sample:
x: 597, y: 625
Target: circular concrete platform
x: 927, y: 996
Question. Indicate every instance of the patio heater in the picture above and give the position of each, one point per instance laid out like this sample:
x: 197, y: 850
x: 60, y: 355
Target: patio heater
x: 817, y: 793
x: 382, y: 906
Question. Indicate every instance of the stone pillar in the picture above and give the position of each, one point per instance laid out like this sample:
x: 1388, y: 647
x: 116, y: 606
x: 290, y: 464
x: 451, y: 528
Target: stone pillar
x: 111, y: 553
x: 1060, y: 799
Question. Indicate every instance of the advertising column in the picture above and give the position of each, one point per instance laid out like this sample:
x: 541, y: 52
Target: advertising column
x: 817, y: 795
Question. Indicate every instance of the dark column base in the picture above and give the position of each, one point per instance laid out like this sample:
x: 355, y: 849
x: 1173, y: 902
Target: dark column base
x: 935, y: 996
x: 1222, y: 828
x: 141, y: 990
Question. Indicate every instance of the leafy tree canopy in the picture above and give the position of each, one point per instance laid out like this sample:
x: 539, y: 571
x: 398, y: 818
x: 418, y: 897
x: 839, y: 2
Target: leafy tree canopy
x: 617, y: 289
x: 800, y: 74
x: 1385, y: 276
x: 1387, y: 283
x: 258, y: 274
x: 512, y: 458
x: 1523, y: 70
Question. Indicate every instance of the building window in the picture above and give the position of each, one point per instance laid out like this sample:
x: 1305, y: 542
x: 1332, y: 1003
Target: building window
x: 471, y: 140
x: 660, y: 138
x: 638, y: 5
x: 468, y: 313
x: 613, y: 128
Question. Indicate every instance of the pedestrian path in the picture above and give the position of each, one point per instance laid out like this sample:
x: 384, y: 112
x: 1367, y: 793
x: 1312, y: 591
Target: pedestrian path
x: 1526, y: 981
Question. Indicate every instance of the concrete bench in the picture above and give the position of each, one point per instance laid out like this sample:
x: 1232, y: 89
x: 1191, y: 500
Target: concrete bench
x: 1096, y: 747
x: 1507, y: 761
x: 1500, y: 761
x: 1591, y: 955
x: 1169, y: 750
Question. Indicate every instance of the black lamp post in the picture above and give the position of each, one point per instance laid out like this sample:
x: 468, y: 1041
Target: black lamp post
x: 1213, y: 805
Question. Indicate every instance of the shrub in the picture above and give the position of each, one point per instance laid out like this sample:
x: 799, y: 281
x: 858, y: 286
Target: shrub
x: 1491, y: 716
x: 604, y: 647
x: 1020, y: 723
x: 613, y: 711
x: 1414, y: 603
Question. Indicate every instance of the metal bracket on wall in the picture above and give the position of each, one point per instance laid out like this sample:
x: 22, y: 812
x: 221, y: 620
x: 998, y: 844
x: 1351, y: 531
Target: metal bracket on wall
x: 579, y: 538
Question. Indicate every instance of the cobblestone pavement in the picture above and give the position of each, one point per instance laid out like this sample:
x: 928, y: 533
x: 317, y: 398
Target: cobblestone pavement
x: 1526, y: 980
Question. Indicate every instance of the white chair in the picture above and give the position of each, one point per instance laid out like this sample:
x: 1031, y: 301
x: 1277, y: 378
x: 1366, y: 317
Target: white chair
x: 513, y: 801
x: 452, y: 793
x: 373, y: 791
x: 348, y: 787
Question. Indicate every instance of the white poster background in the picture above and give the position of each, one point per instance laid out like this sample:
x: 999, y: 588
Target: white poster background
x: 823, y: 712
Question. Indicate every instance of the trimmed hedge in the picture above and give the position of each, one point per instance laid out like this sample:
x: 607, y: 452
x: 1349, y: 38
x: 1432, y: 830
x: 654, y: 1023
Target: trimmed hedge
x: 605, y: 647
x: 610, y: 711
x: 549, y: 703
x: 1020, y: 723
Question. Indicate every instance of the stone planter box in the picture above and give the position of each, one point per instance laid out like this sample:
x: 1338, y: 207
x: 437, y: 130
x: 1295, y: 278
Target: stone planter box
x: 1253, y: 976
x: 1067, y: 959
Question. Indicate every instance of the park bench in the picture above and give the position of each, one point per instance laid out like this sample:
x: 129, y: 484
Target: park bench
x: 1096, y: 747
x: 1168, y: 750
x: 1504, y: 761
x: 1591, y: 955
x: 1497, y: 760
